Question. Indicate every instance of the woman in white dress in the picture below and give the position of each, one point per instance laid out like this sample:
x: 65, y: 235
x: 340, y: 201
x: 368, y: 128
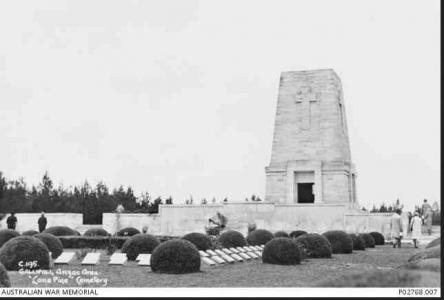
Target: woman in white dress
x: 416, y: 228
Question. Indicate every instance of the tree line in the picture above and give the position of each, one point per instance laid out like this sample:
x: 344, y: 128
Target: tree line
x: 91, y: 201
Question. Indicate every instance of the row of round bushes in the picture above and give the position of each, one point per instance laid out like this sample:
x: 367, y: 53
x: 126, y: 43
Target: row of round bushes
x: 67, y: 231
x: 182, y: 256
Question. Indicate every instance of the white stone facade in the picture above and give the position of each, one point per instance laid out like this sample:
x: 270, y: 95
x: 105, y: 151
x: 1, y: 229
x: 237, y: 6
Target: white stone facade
x: 310, y: 142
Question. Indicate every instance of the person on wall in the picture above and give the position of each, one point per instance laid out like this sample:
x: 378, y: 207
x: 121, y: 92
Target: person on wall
x: 42, y: 222
x: 12, y: 221
x: 119, y: 209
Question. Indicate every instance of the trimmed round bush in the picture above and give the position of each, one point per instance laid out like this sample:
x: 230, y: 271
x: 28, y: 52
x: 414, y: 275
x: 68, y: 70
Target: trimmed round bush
x: 378, y: 237
x: 96, y: 232
x: 20, y: 253
x: 4, y: 278
x: 259, y: 237
x: 296, y: 233
x: 232, y: 238
x: 52, y: 242
x: 30, y: 232
x: 281, y: 234
x: 434, y: 243
x: 60, y: 231
x: 368, y: 239
x: 177, y: 256
x: 6, y: 235
x: 128, y: 231
x: 380, y: 278
x: 315, y: 245
x: 139, y: 243
x: 358, y: 242
x: 281, y: 251
x: 340, y: 241
x: 200, y: 240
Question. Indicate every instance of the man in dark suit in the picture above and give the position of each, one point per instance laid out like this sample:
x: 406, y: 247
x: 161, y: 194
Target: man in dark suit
x: 42, y: 222
x: 12, y: 221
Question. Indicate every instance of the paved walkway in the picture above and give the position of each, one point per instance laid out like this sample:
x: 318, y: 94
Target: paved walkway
x: 425, y: 238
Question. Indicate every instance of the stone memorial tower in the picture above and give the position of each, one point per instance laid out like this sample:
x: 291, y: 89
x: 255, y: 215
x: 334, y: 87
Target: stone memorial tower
x: 310, y: 159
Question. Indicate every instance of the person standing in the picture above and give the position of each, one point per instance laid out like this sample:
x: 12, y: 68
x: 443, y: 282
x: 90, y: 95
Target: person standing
x: 119, y: 209
x: 427, y: 213
x: 42, y: 222
x: 251, y: 227
x: 396, y: 228
x: 416, y: 228
x: 222, y: 220
x: 12, y: 221
x: 410, y: 217
x: 221, y: 223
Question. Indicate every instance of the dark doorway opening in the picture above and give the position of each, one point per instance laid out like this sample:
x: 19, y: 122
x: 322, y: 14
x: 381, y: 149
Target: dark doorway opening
x: 305, y: 193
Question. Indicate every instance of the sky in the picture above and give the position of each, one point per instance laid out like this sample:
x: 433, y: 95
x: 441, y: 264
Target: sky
x: 179, y: 97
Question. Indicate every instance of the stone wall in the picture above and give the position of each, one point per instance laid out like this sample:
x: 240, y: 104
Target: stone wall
x: 113, y: 222
x: 181, y: 219
x: 28, y: 221
x: 177, y: 220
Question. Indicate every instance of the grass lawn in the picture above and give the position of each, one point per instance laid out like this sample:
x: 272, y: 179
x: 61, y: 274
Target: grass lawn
x: 246, y: 274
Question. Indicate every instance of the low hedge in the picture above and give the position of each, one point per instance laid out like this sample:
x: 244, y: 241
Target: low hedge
x: 99, y: 242
x: 384, y: 278
x: 281, y: 234
x: 231, y: 238
x: 128, y: 231
x: 358, y: 242
x: 6, y: 235
x: 259, y: 237
x: 369, y: 240
x: 93, y: 242
x: 4, y: 278
x: 96, y: 232
x: 281, y: 251
x: 200, y: 240
x: 315, y: 245
x: 61, y: 231
x: 296, y: 233
x: 139, y: 243
x: 378, y: 237
x: 24, y: 252
x: 176, y: 256
x: 52, y: 242
x: 30, y: 232
x: 340, y: 241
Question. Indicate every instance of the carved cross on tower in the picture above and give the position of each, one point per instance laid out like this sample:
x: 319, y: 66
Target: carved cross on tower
x: 304, y: 97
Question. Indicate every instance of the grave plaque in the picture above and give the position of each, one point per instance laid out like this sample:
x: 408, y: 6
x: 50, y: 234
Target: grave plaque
x: 91, y: 259
x: 118, y: 259
x: 64, y: 258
